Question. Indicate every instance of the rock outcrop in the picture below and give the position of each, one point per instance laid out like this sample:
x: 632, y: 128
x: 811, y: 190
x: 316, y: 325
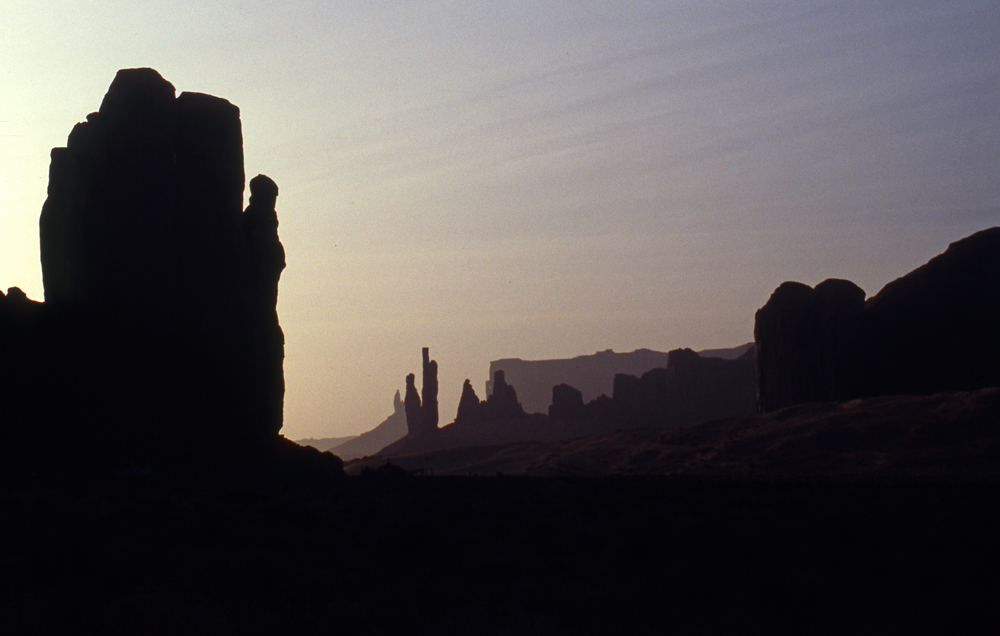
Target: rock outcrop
x: 414, y: 412
x: 159, y: 338
x: 429, y: 393
x: 932, y: 330
x: 936, y: 328
x: 422, y: 407
x: 267, y: 260
x: 593, y: 375
x: 809, y: 342
x: 497, y: 419
x: 468, y: 405
x: 567, y: 403
x: 502, y: 402
x: 688, y: 390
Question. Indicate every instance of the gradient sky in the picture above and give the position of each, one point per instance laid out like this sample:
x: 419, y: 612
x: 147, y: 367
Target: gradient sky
x: 539, y: 179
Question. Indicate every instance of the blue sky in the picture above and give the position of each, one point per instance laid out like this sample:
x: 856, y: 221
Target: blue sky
x: 540, y: 179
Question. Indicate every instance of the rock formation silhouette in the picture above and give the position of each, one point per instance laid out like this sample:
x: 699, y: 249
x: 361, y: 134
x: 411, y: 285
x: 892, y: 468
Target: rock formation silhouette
x: 930, y: 331
x: 690, y: 389
x: 158, y: 339
x: 935, y: 329
x: 502, y: 402
x: 422, y: 408
x: 429, y: 394
x: 267, y: 260
x: 25, y: 392
x: 809, y: 342
x: 388, y: 431
x: 414, y: 412
x: 567, y: 403
x: 421, y: 415
x: 468, y: 405
x: 592, y: 374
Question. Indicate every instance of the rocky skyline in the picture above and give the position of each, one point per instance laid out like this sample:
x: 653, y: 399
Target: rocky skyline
x: 540, y: 181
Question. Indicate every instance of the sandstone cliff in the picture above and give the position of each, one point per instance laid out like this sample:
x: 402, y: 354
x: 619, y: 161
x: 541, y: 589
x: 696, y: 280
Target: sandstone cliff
x: 932, y: 330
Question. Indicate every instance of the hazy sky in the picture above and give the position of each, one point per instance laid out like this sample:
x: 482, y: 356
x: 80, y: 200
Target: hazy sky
x: 539, y: 179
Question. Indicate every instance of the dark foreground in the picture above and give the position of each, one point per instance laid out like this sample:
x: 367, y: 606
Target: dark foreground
x: 499, y: 555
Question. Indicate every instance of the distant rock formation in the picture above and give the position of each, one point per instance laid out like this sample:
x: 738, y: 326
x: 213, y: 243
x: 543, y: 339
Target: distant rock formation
x: 930, y: 331
x: 468, y: 405
x: 414, y: 412
x: 158, y: 338
x: 567, y: 403
x: 502, y: 403
x: 593, y: 375
x: 422, y: 414
x: 497, y: 419
x: 429, y: 394
x: 390, y: 430
x: 688, y: 390
x: 691, y: 389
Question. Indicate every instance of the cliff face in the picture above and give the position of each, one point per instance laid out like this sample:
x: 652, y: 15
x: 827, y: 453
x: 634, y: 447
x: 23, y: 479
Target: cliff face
x: 155, y: 333
x: 933, y: 330
x: 809, y: 343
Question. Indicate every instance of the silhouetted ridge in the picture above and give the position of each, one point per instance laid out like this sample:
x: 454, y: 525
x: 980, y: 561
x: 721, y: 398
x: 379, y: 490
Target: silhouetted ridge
x: 371, y: 442
x: 936, y: 328
x: 690, y: 389
x: 593, y: 375
x: 932, y: 330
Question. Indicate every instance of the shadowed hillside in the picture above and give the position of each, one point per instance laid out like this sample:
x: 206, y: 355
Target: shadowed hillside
x: 391, y: 429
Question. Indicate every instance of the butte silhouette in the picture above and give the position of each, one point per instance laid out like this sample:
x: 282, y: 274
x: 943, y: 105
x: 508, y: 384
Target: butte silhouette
x: 158, y: 340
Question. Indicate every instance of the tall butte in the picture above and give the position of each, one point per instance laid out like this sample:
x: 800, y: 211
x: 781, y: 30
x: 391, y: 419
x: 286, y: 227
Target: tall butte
x: 151, y: 267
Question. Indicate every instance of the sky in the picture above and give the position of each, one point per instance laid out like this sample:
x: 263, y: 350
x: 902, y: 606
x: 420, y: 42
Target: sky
x: 539, y: 179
